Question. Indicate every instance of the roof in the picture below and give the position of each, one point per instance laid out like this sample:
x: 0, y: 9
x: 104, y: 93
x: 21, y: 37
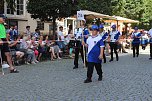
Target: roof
x: 125, y: 20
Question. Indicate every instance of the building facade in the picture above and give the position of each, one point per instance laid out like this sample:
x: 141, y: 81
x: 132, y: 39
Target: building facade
x: 21, y: 18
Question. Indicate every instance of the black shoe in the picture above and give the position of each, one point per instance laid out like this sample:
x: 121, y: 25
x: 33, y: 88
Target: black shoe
x: 100, y: 79
x: 137, y: 55
x: 87, y: 81
x: 104, y: 61
x: 110, y: 60
x: 150, y: 58
x: 117, y: 59
x: 14, y: 71
x: 75, y: 67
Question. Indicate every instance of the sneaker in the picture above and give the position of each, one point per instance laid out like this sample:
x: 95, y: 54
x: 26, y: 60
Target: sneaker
x: 33, y: 62
x: 36, y: 61
x: 87, y: 81
x: 27, y: 63
x: 5, y: 66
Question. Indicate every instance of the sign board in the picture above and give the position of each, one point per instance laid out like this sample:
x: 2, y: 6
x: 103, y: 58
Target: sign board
x: 80, y: 15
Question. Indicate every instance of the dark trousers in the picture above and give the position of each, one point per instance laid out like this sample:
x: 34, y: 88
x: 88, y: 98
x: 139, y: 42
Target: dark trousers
x: 79, y: 49
x: 113, y: 46
x: 104, y: 56
x: 91, y: 66
x: 135, y: 49
x: 150, y: 50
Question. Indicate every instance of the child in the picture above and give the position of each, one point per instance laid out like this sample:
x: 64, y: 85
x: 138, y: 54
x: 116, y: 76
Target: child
x: 95, y: 46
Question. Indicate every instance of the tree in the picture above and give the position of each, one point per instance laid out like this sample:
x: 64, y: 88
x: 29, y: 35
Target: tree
x: 50, y: 10
x: 100, y: 6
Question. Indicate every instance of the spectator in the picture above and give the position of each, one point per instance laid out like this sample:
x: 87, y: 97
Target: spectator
x: 27, y: 32
x: 15, y: 52
x: 61, y: 38
x: 25, y: 47
x: 41, y: 47
x: 36, y: 34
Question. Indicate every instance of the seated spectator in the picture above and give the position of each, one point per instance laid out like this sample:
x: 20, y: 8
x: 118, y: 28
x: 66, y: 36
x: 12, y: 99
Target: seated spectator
x: 15, y: 52
x: 35, y: 46
x: 41, y: 47
x: 53, y: 49
x: 25, y: 47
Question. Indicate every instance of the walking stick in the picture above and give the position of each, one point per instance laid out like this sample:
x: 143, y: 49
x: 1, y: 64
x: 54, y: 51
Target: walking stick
x: 84, y: 55
x: 1, y: 62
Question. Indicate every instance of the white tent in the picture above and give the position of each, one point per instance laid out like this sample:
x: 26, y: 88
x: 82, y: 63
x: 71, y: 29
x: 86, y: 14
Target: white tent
x: 125, y: 20
x: 90, y: 14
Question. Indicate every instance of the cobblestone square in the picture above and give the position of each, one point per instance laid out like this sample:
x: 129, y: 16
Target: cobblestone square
x: 129, y: 79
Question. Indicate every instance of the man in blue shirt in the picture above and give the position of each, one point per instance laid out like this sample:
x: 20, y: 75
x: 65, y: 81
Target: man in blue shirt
x: 104, y: 36
x: 95, y: 47
x: 136, y: 41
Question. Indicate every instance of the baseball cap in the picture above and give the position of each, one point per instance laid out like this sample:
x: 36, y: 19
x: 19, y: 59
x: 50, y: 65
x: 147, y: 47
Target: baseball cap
x: 94, y: 27
x: 3, y: 16
x: 113, y: 26
x: 101, y: 26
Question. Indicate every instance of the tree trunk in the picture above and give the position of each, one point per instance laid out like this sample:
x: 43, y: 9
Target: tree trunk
x: 54, y: 28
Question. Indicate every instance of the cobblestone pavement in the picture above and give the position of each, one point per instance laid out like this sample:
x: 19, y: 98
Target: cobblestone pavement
x: 129, y: 79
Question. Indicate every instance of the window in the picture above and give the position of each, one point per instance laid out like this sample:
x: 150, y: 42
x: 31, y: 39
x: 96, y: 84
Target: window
x: 20, y: 7
x: 40, y: 25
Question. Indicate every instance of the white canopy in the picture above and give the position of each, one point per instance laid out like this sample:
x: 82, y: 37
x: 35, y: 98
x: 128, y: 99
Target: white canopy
x: 125, y: 20
x: 90, y: 14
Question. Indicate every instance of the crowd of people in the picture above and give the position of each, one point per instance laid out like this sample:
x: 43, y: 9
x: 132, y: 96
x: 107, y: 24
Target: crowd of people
x: 30, y: 47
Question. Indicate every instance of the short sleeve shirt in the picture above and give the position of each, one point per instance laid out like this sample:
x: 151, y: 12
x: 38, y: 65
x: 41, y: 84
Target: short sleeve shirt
x: 61, y: 35
x: 114, y: 36
x: 2, y: 31
x: 94, y: 46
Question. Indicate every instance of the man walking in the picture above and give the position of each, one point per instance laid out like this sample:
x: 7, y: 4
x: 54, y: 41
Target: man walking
x: 136, y: 41
x: 114, y: 38
x: 80, y: 33
x: 95, y: 47
x: 4, y: 47
x: 104, y: 36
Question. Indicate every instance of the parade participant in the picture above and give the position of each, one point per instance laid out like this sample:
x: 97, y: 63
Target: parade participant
x: 114, y: 38
x: 136, y: 41
x: 150, y: 41
x: 4, y: 47
x: 95, y: 47
x: 104, y: 36
x: 79, y: 33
